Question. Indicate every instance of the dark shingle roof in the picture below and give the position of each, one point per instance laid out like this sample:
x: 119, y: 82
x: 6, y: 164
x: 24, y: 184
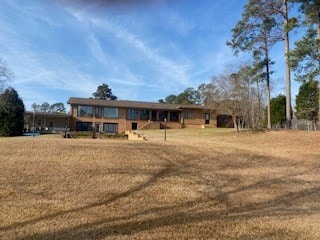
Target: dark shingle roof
x: 131, y: 104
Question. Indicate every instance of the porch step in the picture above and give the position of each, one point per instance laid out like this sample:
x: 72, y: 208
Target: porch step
x: 207, y: 126
x: 132, y: 135
x: 150, y: 125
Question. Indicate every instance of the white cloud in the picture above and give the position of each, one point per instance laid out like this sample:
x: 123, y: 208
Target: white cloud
x: 163, y: 64
x: 125, y: 75
x: 177, y: 23
x: 133, y: 54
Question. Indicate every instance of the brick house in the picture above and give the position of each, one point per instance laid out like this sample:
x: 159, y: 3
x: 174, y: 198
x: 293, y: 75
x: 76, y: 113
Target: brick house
x: 117, y: 116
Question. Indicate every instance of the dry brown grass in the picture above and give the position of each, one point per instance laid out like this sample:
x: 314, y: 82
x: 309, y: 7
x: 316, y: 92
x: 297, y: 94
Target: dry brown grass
x: 200, y: 184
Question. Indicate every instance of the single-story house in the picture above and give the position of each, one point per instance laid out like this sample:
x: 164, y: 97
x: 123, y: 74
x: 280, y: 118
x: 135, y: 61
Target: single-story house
x: 116, y: 116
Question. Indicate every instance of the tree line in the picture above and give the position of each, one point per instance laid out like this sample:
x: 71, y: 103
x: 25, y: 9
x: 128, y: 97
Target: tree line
x: 47, y: 108
x: 103, y: 92
x: 238, y: 95
x: 264, y: 23
x: 244, y: 90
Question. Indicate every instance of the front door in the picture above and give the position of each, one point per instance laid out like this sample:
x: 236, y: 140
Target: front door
x: 134, y: 126
x: 207, y: 118
x: 97, y: 127
x: 153, y: 116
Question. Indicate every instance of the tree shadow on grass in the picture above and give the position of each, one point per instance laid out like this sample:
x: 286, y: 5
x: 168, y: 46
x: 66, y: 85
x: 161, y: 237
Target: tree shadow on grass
x: 287, y: 204
x: 154, y: 178
x: 181, y: 216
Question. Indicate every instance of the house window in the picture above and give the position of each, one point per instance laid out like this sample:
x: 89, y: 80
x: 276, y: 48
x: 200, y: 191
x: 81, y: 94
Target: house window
x: 174, y: 116
x: 39, y: 122
x: 111, y: 113
x: 187, y: 115
x: 144, y: 114
x: 85, y: 111
x: 51, y: 124
x: 132, y: 114
x: 110, y: 127
x: 84, y: 126
x: 97, y: 129
x: 97, y: 112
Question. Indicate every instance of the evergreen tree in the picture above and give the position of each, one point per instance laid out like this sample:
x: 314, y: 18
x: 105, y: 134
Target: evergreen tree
x: 206, y: 93
x: 307, y: 101
x: 278, y: 110
x: 45, y: 107
x: 57, y: 108
x: 11, y: 113
x: 170, y: 98
x: 183, y: 98
x: 305, y: 58
x: 188, y: 96
x: 104, y: 92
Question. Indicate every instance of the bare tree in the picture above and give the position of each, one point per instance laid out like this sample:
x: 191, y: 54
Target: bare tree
x: 238, y: 93
x: 253, y: 93
x: 6, y: 75
x: 257, y: 32
x: 227, y: 94
x: 35, y: 107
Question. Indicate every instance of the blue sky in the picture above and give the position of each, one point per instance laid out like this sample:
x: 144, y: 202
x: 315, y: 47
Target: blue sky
x: 143, y: 51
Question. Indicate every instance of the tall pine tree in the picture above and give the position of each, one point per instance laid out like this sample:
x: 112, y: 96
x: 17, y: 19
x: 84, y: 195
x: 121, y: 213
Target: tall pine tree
x: 257, y: 32
x: 104, y: 92
x: 305, y: 58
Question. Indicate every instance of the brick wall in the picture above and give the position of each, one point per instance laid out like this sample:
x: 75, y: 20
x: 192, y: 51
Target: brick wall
x: 197, y: 120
